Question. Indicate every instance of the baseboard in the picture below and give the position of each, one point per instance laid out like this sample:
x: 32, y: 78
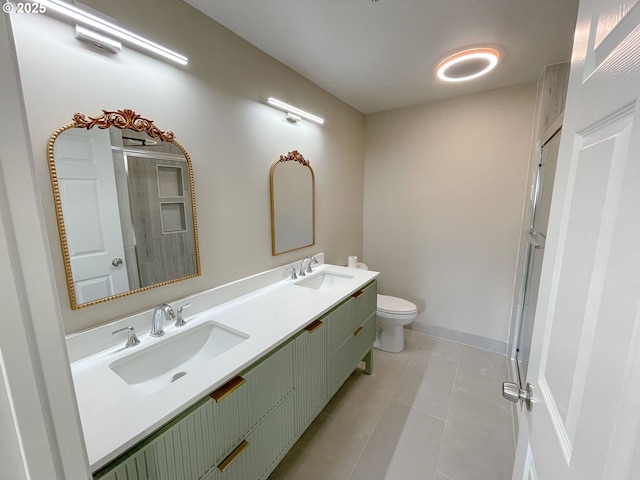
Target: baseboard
x: 483, y: 343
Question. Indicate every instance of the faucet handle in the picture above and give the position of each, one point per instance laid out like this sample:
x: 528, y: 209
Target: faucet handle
x: 311, y: 261
x: 293, y: 273
x: 179, y: 320
x: 132, y: 338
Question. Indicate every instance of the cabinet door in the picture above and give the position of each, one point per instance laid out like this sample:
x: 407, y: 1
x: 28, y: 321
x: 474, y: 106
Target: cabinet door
x: 267, y: 384
x: 256, y: 456
x: 343, y: 361
x: 349, y: 315
x: 366, y: 301
x: 348, y: 355
x: 139, y: 466
x: 310, y: 372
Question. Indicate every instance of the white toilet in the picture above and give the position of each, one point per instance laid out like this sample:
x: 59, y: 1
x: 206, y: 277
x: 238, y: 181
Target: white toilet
x: 392, y: 315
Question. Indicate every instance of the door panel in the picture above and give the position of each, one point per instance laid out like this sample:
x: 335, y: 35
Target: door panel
x: 585, y: 423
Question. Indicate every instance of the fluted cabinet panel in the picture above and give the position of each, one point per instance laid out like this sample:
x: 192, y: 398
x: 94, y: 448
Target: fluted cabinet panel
x: 344, y: 360
x: 349, y: 315
x: 310, y: 374
x: 267, y: 444
x: 340, y: 323
x: 366, y: 303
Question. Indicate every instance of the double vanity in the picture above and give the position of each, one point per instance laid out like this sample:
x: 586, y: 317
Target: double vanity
x: 227, y: 394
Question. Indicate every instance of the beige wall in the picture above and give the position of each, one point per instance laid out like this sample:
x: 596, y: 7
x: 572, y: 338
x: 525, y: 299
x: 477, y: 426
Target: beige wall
x: 216, y: 107
x: 445, y: 185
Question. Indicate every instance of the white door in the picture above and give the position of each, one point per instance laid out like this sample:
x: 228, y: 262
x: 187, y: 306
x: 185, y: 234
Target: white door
x: 84, y: 165
x: 585, y: 358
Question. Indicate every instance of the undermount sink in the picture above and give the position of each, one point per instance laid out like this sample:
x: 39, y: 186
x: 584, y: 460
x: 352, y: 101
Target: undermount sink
x: 323, y: 281
x: 156, y: 367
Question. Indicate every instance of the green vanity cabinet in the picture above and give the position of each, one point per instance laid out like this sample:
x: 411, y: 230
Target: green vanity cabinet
x: 244, y: 428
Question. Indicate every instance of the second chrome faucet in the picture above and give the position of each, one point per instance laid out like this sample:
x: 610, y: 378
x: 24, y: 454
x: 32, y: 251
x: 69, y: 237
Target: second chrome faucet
x: 161, y: 313
x: 312, y: 260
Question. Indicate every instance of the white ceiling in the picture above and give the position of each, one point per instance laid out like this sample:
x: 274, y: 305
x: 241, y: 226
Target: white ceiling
x: 379, y: 56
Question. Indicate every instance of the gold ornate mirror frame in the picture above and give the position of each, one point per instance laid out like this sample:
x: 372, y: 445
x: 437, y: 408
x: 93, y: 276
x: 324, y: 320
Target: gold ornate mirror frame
x: 293, y: 156
x: 121, y: 119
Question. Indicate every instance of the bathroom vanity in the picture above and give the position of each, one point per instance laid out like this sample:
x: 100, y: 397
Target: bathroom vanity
x: 256, y: 362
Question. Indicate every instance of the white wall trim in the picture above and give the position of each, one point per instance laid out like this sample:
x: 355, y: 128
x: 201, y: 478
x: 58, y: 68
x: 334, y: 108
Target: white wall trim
x: 37, y: 380
x: 483, y: 343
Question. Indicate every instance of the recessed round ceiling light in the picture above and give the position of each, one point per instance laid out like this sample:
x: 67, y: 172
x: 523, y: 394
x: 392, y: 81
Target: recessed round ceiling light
x: 467, y: 65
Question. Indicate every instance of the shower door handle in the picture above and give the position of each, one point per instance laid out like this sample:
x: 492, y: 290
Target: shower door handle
x: 513, y: 393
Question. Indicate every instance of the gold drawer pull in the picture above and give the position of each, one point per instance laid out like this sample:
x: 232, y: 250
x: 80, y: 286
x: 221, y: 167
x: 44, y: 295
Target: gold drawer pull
x: 357, y: 331
x: 232, y: 456
x: 228, y: 388
x: 358, y: 294
x: 313, y: 326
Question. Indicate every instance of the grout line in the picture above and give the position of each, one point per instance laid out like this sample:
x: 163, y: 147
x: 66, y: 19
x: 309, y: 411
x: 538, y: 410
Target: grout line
x: 446, y: 418
x: 384, y: 410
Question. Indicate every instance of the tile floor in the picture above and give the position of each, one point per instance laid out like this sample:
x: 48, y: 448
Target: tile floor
x: 431, y: 412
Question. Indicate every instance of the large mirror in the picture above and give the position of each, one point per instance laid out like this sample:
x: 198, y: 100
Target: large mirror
x: 125, y: 203
x: 292, y: 204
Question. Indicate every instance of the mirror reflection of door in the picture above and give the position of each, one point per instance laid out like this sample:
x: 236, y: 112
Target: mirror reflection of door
x: 90, y: 208
x: 536, y: 237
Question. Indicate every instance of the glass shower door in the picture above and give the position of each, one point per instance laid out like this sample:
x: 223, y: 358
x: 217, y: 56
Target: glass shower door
x: 536, y: 237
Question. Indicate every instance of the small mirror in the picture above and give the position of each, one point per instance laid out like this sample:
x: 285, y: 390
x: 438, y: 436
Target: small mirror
x: 292, y: 204
x: 125, y: 202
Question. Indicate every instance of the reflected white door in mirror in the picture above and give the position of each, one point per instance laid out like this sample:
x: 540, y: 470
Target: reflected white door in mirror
x: 125, y: 204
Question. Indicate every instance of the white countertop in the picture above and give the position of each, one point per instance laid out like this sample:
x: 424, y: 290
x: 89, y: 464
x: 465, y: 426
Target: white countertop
x: 115, y: 417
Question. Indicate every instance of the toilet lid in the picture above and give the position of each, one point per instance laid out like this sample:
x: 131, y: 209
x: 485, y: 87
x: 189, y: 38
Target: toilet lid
x: 395, y: 305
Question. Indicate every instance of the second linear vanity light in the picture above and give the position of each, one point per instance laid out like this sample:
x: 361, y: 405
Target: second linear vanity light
x: 294, y: 113
x: 96, y: 23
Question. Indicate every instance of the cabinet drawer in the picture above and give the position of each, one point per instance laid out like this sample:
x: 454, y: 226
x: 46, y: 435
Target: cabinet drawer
x: 259, y: 453
x: 346, y: 318
x: 366, y: 301
x: 346, y: 358
x: 267, y: 384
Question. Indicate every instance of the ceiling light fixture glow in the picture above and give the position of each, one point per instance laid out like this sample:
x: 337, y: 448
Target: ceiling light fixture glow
x: 295, y: 110
x: 109, y: 28
x: 468, y: 64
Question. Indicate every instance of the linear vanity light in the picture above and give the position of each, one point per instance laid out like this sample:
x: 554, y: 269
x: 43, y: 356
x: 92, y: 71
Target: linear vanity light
x: 109, y: 28
x: 294, y: 111
x: 95, y: 38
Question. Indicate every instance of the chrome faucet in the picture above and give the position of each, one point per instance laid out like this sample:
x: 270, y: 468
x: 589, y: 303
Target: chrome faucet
x: 161, y: 313
x: 311, y: 260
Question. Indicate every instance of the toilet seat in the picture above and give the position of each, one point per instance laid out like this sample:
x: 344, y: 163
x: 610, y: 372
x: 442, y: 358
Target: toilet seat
x: 394, y: 307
